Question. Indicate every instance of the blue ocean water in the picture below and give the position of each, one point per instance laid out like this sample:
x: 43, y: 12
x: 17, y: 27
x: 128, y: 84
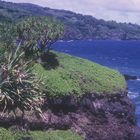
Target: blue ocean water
x: 120, y: 55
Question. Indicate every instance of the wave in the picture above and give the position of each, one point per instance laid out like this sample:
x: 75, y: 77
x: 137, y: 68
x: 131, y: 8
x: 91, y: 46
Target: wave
x: 60, y: 41
x: 70, y: 40
x: 138, y: 79
x: 133, y: 95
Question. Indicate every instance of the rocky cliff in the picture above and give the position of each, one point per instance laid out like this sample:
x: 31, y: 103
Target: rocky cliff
x: 94, y: 117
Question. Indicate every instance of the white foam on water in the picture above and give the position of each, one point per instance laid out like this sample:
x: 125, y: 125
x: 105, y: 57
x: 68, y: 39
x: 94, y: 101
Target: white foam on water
x: 66, y: 50
x: 133, y: 95
x: 138, y: 79
x: 60, y: 40
x: 70, y: 40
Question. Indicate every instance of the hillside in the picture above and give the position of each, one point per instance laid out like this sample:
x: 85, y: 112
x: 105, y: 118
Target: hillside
x: 77, y: 26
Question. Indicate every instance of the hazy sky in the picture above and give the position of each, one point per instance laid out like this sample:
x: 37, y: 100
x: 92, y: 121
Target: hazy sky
x: 119, y: 10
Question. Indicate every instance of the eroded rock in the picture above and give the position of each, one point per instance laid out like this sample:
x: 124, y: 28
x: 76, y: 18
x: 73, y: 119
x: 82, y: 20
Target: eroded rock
x: 95, y: 117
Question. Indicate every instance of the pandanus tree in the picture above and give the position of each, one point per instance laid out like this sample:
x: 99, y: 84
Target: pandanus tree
x: 19, y: 86
x: 37, y: 34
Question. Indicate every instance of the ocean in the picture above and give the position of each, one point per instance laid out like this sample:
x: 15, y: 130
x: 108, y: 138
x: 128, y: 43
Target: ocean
x: 123, y: 56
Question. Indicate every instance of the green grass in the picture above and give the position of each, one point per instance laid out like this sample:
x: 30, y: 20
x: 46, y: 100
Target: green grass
x: 39, y: 135
x: 55, y: 135
x: 5, y: 134
x: 76, y: 76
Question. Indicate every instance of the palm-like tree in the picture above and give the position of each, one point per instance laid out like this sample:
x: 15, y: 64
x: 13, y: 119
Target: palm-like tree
x: 19, y: 87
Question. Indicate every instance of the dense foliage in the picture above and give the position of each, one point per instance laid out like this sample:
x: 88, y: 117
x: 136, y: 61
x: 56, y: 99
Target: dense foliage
x: 19, y: 87
x: 30, y: 37
x: 77, y: 26
x: 36, y: 34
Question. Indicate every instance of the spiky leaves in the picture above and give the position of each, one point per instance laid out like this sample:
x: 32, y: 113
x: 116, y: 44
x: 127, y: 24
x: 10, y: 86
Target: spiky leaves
x: 19, y: 87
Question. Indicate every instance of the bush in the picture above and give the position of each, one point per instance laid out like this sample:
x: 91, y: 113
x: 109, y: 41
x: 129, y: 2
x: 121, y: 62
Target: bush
x: 34, y: 34
x: 37, y: 34
x: 19, y: 87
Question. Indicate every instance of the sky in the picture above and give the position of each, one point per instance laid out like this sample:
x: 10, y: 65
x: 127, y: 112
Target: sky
x: 118, y: 10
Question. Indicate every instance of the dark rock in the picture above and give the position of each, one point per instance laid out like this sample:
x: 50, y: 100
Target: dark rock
x: 129, y: 77
x: 95, y: 117
x: 137, y: 134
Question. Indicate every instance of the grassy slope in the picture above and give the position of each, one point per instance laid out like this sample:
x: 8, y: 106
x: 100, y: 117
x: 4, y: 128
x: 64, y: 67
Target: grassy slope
x: 75, y: 76
x: 39, y: 135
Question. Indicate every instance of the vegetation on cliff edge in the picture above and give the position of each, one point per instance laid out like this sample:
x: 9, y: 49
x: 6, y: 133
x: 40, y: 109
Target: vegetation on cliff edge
x: 76, y: 76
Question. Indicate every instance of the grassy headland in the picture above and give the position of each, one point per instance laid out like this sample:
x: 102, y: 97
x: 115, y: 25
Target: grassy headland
x: 76, y: 76
x: 62, y: 75
x: 65, y: 75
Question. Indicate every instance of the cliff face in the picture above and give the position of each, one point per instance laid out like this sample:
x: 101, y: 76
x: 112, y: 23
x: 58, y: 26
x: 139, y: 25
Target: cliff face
x: 94, y: 117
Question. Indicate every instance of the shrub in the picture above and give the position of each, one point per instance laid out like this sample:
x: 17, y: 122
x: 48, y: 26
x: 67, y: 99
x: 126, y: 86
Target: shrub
x: 34, y: 34
x: 37, y: 34
x: 19, y: 87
